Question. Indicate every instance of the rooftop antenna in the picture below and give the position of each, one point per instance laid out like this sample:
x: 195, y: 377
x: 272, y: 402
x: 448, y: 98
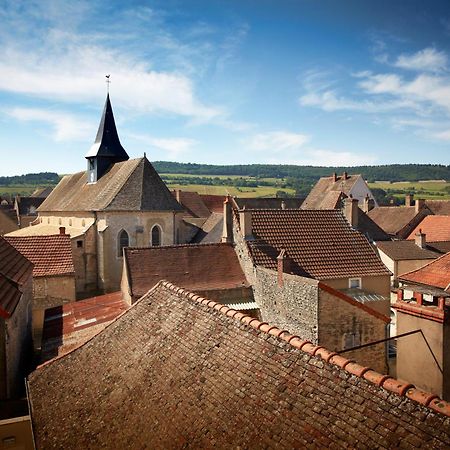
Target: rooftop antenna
x: 108, y: 82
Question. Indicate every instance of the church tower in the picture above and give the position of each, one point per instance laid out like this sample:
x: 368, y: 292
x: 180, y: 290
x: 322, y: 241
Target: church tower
x: 107, y: 149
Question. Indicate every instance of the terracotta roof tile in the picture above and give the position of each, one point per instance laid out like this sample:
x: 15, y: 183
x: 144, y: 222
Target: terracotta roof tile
x: 15, y: 270
x: 186, y: 372
x: 406, y: 250
x: 51, y: 255
x: 439, y: 207
x: 436, y: 228
x: 434, y: 274
x: 213, y: 202
x: 192, y: 202
x: 320, y: 243
x: 196, y: 267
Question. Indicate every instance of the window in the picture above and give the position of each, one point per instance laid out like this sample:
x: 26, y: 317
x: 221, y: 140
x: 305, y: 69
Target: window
x: 123, y: 241
x: 156, y: 236
x: 354, y: 283
x: 79, y: 244
x: 351, y: 340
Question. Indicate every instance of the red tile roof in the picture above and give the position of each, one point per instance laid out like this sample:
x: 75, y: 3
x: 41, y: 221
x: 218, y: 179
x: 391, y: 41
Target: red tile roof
x: 197, y: 267
x: 321, y: 244
x: 15, y: 270
x: 437, y: 228
x: 213, y: 202
x: 406, y: 250
x: 435, y: 274
x: 51, y: 255
x: 180, y: 371
x: 72, y: 324
x: 192, y: 202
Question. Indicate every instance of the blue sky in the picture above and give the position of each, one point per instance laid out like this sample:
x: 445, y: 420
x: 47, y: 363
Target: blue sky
x: 316, y: 82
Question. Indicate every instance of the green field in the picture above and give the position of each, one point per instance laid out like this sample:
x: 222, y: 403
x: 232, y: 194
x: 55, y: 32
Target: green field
x: 22, y: 189
x: 261, y: 191
x: 437, y: 190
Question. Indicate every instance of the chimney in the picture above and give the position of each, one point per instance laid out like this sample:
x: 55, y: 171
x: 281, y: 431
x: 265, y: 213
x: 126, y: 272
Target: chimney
x: 344, y: 176
x: 420, y: 239
x: 419, y: 204
x: 283, y: 204
x: 409, y: 198
x: 351, y: 211
x: 245, y: 219
x: 334, y: 177
x: 368, y: 204
x: 227, y: 235
x: 284, y: 266
x: 178, y: 195
x: 62, y: 230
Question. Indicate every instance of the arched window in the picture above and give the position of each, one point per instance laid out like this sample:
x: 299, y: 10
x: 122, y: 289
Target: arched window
x: 122, y: 242
x: 156, y: 236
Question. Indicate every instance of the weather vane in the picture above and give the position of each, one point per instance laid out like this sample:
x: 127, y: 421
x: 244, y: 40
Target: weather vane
x: 108, y: 82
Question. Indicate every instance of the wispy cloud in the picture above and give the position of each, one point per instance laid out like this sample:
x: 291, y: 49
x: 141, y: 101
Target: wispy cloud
x: 276, y: 141
x: 174, y: 147
x: 65, y: 127
x: 428, y: 60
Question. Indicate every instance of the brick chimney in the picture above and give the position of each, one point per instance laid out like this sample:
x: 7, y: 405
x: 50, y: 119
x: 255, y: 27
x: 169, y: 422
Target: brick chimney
x: 344, y: 176
x: 419, y: 204
x: 284, y: 266
x: 420, y: 239
x: 245, y: 219
x: 62, y: 230
x: 227, y: 235
x: 334, y: 177
x: 368, y: 204
x: 409, y: 198
x: 351, y: 211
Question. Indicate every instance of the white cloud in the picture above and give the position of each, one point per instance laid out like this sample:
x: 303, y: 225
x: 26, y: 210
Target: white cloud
x: 428, y: 60
x: 442, y: 135
x: 65, y: 127
x: 173, y: 146
x: 276, y: 141
x: 321, y: 157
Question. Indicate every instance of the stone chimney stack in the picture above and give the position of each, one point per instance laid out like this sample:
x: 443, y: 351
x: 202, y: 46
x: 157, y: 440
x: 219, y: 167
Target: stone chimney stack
x: 334, y: 177
x: 409, y: 198
x: 368, y: 204
x: 245, y: 219
x: 344, y: 176
x: 178, y: 195
x: 351, y: 211
x: 419, y: 204
x: 283, y: 204
x: 62, y: 230
x: 284, y: 266
x: 227, y: 235
x: 420, y: 239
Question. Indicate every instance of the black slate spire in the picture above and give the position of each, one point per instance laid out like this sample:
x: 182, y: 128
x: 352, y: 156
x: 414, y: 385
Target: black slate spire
x: 107, y: 149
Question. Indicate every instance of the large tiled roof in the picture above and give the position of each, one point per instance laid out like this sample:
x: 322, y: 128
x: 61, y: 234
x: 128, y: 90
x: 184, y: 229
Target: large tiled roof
x: 439, y: 207
x: 51, y: 255
x: 196, y: 267
x: 213, y: 202
x: 326, y: 192
x: 434, y: 274
x: 15, y: 270
x: 70, y: 325
x: 179, y: 371
x: 132, y: 185
x: 406, y: 250
x: 368, y: 227
x: 211, y: 231
x: 192, y: 203
x: 267, y: 203
x: 436, y: 228
x: 394, y: 219
x: 320, y: 243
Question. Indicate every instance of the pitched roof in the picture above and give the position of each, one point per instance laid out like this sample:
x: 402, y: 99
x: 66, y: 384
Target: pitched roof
x: 266, y: 203
x: 29, y: 205
x: 211, y: 231
x: 213, y: 202
x: 131, y: 185
x: 434, y: 274
x: 179, y: 371
x: 51, y: 255
x: 327, y: 191
x: 395, y: 219
x: 15, y: 270
x: 320, y: 243
x: 7, y: 223
x: 192, y: 202
x: 406, y: 250
x: 436, y: 228
x: 70, y: 325
x: 439, y: 207
x: 368, y: 227
x: 196, y: 267
x: 42, y: 192
x: 44, y: 229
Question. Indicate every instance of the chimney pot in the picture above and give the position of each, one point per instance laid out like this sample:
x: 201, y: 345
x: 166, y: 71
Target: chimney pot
x: 62, y: 230
x: 409, y: 199
x: 420, y: 239
x: 344, y: 176
x: 283, y: 204
x: 283, y: 265
x: 334, y: 176
x: 245, y: 219
x: 227, y: 235
x: 419, y: 204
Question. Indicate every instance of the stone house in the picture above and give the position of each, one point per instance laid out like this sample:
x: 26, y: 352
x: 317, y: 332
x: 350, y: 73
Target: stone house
x: 423, y: 305
x: 211, y: 270
x: 329, y: 192
x: 53, y: 273
x: 15, y: 320
x: 181, y: 371
x: 302, y: 264
x: 116, y: 203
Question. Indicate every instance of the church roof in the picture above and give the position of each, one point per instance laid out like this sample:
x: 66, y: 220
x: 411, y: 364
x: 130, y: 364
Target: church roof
x: 132, y: 185
x: 107, y: 142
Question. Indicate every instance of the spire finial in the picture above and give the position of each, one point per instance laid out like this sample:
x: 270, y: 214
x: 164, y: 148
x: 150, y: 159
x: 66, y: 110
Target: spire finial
x: 108, y: 82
